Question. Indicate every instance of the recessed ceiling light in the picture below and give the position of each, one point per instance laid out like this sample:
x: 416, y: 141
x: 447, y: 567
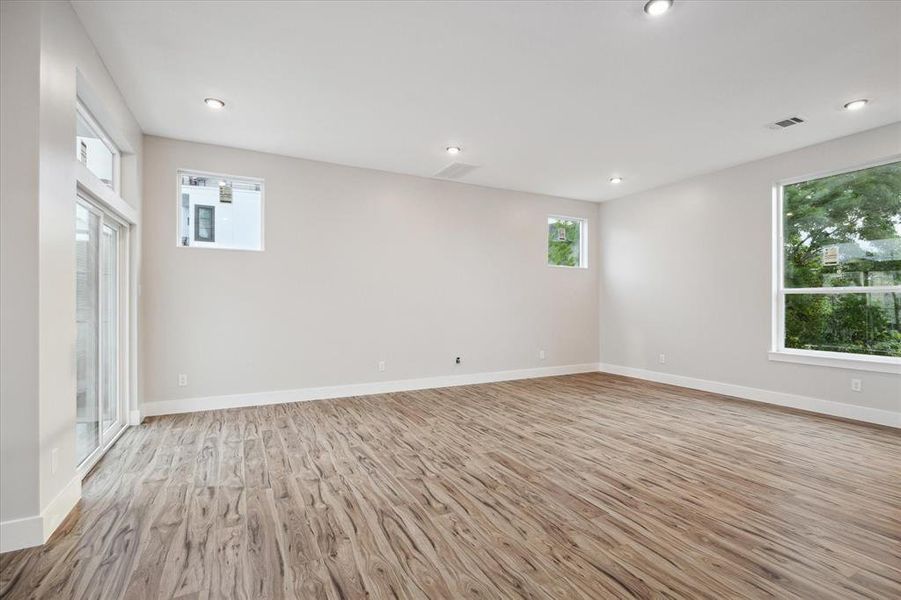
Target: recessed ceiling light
x: 453, y: 149
x: 655, y: 8
x: 616, y: 180
x: 856, y: 104
x: 214, y: 103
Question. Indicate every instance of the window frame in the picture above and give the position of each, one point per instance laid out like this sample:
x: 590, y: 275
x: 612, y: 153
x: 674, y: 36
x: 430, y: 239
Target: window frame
x: 180, y: 171
x: 82, y: 111
x: 778, y: 350
x: 583, y: 241
x: 124, y: 223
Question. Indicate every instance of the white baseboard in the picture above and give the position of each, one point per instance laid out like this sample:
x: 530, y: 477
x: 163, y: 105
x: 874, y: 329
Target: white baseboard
x: 34, y: 531
x: 186, y: 405
x: 134, y: 417
x: 60, y: 506
x: 16, y: 534
x: 826, y: 407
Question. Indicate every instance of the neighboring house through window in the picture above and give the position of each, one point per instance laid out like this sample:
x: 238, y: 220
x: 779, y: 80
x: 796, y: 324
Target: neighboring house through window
x: 220, y: 211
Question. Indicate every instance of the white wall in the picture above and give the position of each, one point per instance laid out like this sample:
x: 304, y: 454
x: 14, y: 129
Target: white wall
x: 359, y: 266
x: 39, y: 184
x: 687, y: 271
x: 20, y: 54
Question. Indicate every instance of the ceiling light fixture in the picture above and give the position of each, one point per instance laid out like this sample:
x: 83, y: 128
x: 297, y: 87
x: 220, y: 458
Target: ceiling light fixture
x: 453, y: 149
x: 655, y: 8
x: 214, y: 103
x: 856, y: 104
x: 615, y: 180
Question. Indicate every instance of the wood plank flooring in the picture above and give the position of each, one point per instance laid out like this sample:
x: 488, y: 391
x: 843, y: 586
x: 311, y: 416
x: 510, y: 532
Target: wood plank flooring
x: 585, y: 486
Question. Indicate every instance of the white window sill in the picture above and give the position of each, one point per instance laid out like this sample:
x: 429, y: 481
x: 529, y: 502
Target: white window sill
x: 90, y: 184
x: 859, y: 362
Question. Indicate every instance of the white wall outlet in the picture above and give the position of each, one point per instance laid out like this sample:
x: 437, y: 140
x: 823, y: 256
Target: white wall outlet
x: 54, y: 460
x: 856, y: 385
x: 541, y: 354
x: 662, y: 359
x: 182, y: 380
x: 381, y: 366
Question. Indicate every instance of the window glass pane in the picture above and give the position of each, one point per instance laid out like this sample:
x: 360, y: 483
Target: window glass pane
x: 220, y: 212
x: 204, y: 223
x: 91, y: 150
x: 844, y: 230
x: 854, y: 323
x: 564, y: 242
x: 109, y: 289
x: 87, y: 341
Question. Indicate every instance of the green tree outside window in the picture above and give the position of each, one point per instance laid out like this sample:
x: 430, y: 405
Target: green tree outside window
x: 564, y: 242
x: 839, y: 232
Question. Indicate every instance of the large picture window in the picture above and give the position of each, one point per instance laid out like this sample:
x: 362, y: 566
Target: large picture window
x: 839, y: 276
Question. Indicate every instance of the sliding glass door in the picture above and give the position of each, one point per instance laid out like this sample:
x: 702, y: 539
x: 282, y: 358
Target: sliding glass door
x: 99, y: 295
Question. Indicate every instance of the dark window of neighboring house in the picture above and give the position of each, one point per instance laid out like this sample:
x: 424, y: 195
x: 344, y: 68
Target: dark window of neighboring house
x: 204, y: 223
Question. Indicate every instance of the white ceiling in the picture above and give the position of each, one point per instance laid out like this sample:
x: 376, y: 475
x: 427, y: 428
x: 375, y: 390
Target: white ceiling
x: 550, y: 97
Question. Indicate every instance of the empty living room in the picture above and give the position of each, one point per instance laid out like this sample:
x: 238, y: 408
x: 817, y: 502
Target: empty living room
x: 446, y: 299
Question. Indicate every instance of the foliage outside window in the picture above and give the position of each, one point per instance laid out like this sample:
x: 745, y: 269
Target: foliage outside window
x: 566, y: 242
x: 841, y: 280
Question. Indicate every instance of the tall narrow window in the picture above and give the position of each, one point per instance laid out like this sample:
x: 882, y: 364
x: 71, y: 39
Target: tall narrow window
x: 87, y: 314
x: 839, y: 287
x: 99, y: 412
x: 567, y: 242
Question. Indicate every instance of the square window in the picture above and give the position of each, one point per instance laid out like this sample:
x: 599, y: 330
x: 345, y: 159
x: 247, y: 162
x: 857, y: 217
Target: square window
x: 567, y: 242
x: 217, y: 211
x: 95, y: 150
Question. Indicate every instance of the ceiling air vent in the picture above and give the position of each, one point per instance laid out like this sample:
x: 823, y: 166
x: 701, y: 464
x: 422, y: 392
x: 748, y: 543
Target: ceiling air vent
x: 786, y: 123
x: 455, y: 170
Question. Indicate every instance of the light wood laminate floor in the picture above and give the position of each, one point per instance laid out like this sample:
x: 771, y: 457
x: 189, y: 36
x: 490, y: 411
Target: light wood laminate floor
x: 585, y: 486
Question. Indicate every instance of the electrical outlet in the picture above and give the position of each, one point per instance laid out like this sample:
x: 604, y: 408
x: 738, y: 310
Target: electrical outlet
x: 856, y: 385
x: 381, y: 366
x: 459, y: 360
x: 54, y: 460
x: 182, y: 380
x: 662, y: 359
x: 541, y: 354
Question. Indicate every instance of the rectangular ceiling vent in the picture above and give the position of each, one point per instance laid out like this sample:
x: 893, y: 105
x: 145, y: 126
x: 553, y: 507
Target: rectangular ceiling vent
x: 455, y: 170
x: 786, y: 123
